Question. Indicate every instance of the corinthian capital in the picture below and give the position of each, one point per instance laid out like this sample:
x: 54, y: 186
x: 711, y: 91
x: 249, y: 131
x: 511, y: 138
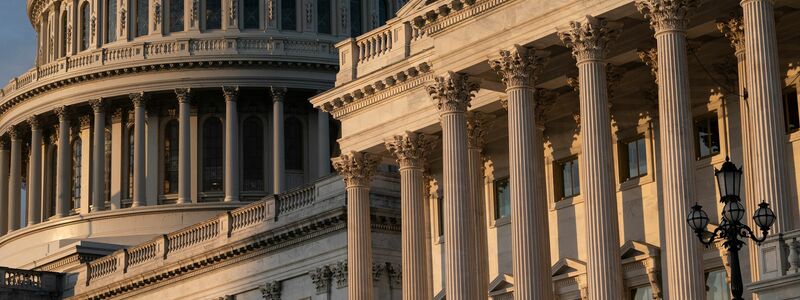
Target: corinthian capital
x: 231, y: 93
x: 34, y: 121
x: 97, y: 105
x: 62, y: 112
x: 733, y: 29
x: 356, y: 168
x: 666, y: 15
x: 13, y: 132
x: 589, y: 38
x: 139, y: 99
x: 650, y: 58
x: 278, y: 93
x: 410, y: 149
x: 184, y: 95
x: 452, y: 92
x: 478, y: 125
x: 519, y: 67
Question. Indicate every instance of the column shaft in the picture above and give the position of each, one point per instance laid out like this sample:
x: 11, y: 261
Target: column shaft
x: 4, y: 212
x: 139, y: 184
x: 477, y: 125
x: 34, y: 188
x: 231, y: 144
x: 63, y: 159
x: 184, y: 144
x: 323, y: 144
x: 14, y: 181
x: 98, y: 157
x: 278, y: 161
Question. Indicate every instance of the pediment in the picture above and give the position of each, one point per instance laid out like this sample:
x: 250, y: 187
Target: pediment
x: 413, y: 6
x: 632, y: 249
x: 566, y: 266
x: 501, y: 283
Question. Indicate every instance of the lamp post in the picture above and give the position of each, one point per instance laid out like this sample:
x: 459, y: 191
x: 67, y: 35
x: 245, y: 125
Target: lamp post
x: 731, y: 229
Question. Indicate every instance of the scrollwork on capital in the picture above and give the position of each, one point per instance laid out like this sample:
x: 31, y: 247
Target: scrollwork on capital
x: 278, y: 93
x: 184, y: 95
x: 34, y: 122
x: 733, y: 29
x: 478, y: 124
x: 589, y: 38
x: 321, y: 277
x: 139, y: 99
x: 85, y: 121
x: 356, y: 168
x: 116, y: 115
x: 452, y: 92
x: 410, y: 149
x: 62, y: 112
x: 650, y: 58
x: 231, y: 93
x: 13, y: 132
x: 666, y: 15
x: 520, y: 66
x: 97, y: 105
x: 271, y: 290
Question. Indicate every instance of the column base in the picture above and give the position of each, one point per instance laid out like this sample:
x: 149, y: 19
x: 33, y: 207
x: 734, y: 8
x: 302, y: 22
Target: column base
x: 231, y: 199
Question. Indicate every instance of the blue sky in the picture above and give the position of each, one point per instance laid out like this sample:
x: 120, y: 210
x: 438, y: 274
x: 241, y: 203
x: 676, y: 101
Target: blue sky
x: 18, y: 40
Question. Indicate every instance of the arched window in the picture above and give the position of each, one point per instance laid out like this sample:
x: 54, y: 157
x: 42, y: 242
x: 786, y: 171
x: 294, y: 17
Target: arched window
x: 212, y: 155
x: 142, y: 17
x: 288, y: 15
x: 214, y: 14
x: 130, y: 161
x: 63, y: 40
x: 250, y: 11
x: 383, y: 11
x: 111, y: 21
x: 175, y: 15
x: 85, y: 26
x: 324, y: 16
x: 170, y: 182
x: 107, y: 164
x: 253, y: 156
x: 355, y: 18
x: 76, y: 173
x: 294, y: 143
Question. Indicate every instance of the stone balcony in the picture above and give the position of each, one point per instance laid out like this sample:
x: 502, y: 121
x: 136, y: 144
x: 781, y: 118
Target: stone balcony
x: 779, y: 274
x: 29, y: 285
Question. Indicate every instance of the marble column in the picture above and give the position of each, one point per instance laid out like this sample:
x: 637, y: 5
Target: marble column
x: 529, y: 227
x: 684, y: 271
x: 184, y: 143
x: 34, y: 187
x: 139, y: 185
x: 278, y: 158
x: 357, y: 169
x: 231, y: 143
x: 98, y: 156
x: 766, y: 111
x: 4, y: 216
x: 477, y: 126
x: 14, y: 179
x: 323, y: 144
x: 452, y: 94
x: 63, y: 161
x: 411, y: 151
x: 589, y: 40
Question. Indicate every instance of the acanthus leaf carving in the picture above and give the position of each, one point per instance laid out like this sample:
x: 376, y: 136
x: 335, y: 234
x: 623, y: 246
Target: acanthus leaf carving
x: 733, y: 29
x: 520, y: 66
x: 650, y: 58
x: 478, y: 124
x: 321, y: 277
x: 589, y: 38
x: 410, y: 149
x: 271, y: 290
x: 156, y: 15
x: 452, y: 92
x: 356, y: 168
x: 234, y: 11
x: 666, y: 15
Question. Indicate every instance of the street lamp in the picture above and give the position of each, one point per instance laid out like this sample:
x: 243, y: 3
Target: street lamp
x: 731, y: 228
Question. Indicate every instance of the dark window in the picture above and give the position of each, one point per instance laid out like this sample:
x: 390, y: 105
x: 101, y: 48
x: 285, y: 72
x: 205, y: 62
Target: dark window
x: 171, y: 157
x: 791, y: 110
x: 440, y: 213
x: 383, y: 11
x: 212, y: 155
x: 111, y: 21
x: 324, y: 16
x: 642, y: 293
x: 130, y: 161
x: 64, y: 44
x: 253, y: 160
x: 250, y: 14
x: 288, y: 15
x: 76, y: 173
x: 502, y: 198
x: 107, y: 164
x: 355, y: 18
x: 85, y: 26
x: 213, y: 14
x: 53, y: 166
x: 294, y: 144
x: 567, y: 179
x: 142, y: 17
x: 717, y: 285
x: 175, y: 15
x: 633, y: 159
x: 706, y: 135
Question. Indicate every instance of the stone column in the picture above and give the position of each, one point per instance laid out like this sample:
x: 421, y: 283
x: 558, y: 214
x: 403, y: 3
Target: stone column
x: 452, y: 94
x: 589, y: 41
x: 684, y: 271
x: 323, y: 144
x: 278, y: 158
x: 98, y: 156
x: 34, y: 189
x: 766, y: 111
x: 529, y: 227
x: 4, y: 212
x: 63, y: 162
x: 411, y: 151
x: 14, y: 179
x: 231, y: 143
x: 357, y: 168
x: 477, y: 126
x: 139, y: 187
x: 184, y: 143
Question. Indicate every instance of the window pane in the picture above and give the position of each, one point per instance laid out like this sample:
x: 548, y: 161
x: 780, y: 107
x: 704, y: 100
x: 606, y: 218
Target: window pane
x: 440, y: 217
x: 383, y: 12
x: 288, y: 15
x: 791, y: 110
x: 171, y: 158
x: 251, y: 14
x: 640, y: 144
x: 576, y: 182
x: 213, y: 14
x: 175, y: 15
x: 502, y: 199
x: 355, y: 18
x: 324, y: 16
x: 253, y: 160
x: 713, y: 126
x: 293, y: 131
x: 566, y: 175
x: 717, y: 286
x: 85, y: 16
x: 142, y: 17
x: 642, y: 293
x: 111, y: 20
x: 633, y: 168
x: 212, y: 155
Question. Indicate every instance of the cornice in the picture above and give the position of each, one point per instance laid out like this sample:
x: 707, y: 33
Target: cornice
x: 445, y: 16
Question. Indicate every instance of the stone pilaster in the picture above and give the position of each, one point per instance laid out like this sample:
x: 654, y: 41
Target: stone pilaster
x: 278, y: 157
x: 323, y: 144
x: 357, y: 169
x: 411, y: 151
x: 231, y: 143
x: 98, y: 155
x: 14, y: 179
x: 530, y: 240
x: 684, y: 267
x: 184, y: 144
x: 63, y: 163
x: 139, y: 186
x: 34, y: 188
x: 478, y: 125
x: 4, y: 212
x: 589, y: 40
x: 452, y: 94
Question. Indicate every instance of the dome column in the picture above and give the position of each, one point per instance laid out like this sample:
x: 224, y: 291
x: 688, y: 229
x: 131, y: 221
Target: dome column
x: 63, y: 163
x: 98, y: 156
x: 4, y: 212
x: 34, y: 188
x: 14, y: 179
x: 231, y: 143
x: 278, y: 157
x: 184, y: 144
x: 139, y: 185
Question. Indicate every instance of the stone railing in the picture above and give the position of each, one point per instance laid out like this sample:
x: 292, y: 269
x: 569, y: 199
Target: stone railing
x: 779, y: 259
x: 295, y: 199
x: 377, y: 49
x: 193, y: 235
x: 17, y: 284
x: 374, y: 45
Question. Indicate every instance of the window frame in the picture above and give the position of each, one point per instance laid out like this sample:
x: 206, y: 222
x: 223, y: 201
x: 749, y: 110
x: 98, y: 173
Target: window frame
x: 554, y: 156
x: 785, y: 95
x: 164, y: 194
x: 142, y: 18
x: 110, y: 21
x: 85, y: 41
x: 496, y: 214
x: 644, y: 129
x: 204, y: 193
x: 259, y: 16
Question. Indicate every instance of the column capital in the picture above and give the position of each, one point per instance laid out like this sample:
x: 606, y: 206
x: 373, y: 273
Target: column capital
x: 589, y: 38
x: 452, y: 92
x: 139, y: 99
x: 278, y: 93
x: 34, y: 121
x: 3, y: 144
x: 116, y: 115
x: 184, y: 95
x: 410, y: 149
x: 85, y: 121
x: 231, y: 93
x: 62, y: 112
x: 478, y: 124
x: 650, y: 58
x: 97, y: 105
x: 520, y: 66
x: 545, y: 98
x: 666, y: 15
x: 733, y: 29
x: 13, y: 132
x: 356, y: 168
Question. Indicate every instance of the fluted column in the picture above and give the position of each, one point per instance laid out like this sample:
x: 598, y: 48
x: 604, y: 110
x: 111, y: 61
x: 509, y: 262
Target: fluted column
x: 184, y: 143
x: 231, y: 143
x: 685, y: 279
x: 278, y: 161
x: 766, y: 111
x: 63, y: 163
x: 589, y: 39
x: 98, y: 155
x: 139, y: 187
x: 411, y: 151
x: 357, y: 168
x: 323, y: 144
x: 34, y: 188
x: 4, y: 212
x: 452, y: 94
x: 14, y: 179
x: 529, y: 227
x: 477, y: 126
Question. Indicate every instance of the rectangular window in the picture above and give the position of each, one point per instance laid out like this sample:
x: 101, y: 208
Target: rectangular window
x: 502, y: 198
x: 717, y: 285
x: 790, y: 108
x: 250, y: 11
x: 633, y: 159
x: 213, y: 14
x: 642, y: 293
x: 440, y: 214
x: 355, y: 18
x: 288, y: 15
x: 567, y: 179
x: 111, y: 21
x: 324, y: 16
x: 175, y: 15
x: 142, y: 17
x: 706, y: 136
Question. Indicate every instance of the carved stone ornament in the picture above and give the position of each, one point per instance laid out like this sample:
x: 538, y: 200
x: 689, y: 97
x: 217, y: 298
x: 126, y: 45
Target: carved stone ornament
x: 452, y: 92
x: 156, y: 15
x: 666, y: 15
x: 574, y: 83
x: 93, y: 25
x: 270, y: 9
x: 344, y: 18
x: 478, y: 124
x: 231, y: 93
x: 97, y: 105
x: 139, y: 99
x: 193, y: 15
x: 321, y: 277
x: 3, y: 145
x: 116, y: 115
x: 650, y: 58
x: 34, y: 121
x: 62, y: 112
x: 519, y: 66
x: 733, y: 29
x: 395, y: 275
x: 85, y: 121
x: 123, y: 17
x: 377, y: 271
x: 356, y: 168
x: 339, y: 273
x: 545, y: 99
x: 309, y: 12
x: 13, y: 132
x: 271, y: 290
x: 410, y: 149
x: 233, y: 12
x: 69, y: 35
x: 589, y: 38
x: 184, y: 95
x: 278, y: 93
